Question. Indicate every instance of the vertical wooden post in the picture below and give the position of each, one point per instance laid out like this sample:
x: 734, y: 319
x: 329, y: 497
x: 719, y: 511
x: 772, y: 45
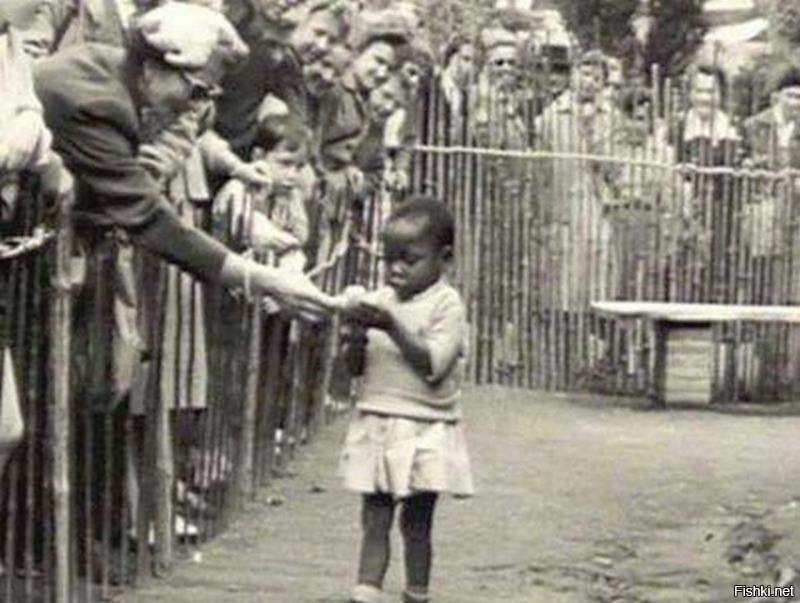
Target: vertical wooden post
x: 247, y: 441
x: 164, y: 465
x: 59, y: 424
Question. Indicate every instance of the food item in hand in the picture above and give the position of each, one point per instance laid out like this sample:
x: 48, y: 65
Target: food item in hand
x: 352, y: 296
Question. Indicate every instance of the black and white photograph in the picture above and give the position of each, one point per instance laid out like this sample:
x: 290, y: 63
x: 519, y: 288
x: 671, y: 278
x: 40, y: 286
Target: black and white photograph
x: 412, y: 301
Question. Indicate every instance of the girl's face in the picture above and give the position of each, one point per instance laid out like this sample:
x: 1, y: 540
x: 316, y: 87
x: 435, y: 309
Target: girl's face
x: 414, y: 260
x: 19, y: 13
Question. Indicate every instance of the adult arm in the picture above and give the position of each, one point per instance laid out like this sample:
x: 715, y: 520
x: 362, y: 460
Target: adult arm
x: 116, y: 190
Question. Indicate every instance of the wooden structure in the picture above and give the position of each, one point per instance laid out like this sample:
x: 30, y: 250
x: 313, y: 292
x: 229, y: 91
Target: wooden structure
x: 683, y: 362
x: 580, y: 209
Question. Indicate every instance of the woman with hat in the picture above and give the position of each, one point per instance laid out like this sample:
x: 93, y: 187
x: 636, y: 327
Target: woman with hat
x: 94, y: 97
x: 374, y: 41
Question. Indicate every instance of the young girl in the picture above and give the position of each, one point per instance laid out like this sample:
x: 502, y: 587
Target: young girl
x: 405, y: 443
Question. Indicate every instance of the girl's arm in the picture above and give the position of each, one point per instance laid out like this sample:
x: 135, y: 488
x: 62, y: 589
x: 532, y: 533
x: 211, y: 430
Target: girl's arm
x: 431, y: 354
x: 413, y: 346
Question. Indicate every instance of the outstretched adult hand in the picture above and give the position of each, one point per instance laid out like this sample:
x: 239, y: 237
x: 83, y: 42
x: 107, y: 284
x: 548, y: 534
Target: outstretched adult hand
x: 295, y: 292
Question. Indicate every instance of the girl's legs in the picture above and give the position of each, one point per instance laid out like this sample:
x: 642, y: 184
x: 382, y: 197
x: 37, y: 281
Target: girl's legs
x: 377, y: 514
x: 416, y: 522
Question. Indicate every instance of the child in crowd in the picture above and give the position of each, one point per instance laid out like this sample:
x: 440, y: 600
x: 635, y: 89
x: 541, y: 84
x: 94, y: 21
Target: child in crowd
x: 273, y: 218
x: 405, y: 444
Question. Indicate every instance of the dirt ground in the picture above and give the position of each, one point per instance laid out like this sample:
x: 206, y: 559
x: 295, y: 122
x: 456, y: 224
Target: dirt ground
x: 580, y: 500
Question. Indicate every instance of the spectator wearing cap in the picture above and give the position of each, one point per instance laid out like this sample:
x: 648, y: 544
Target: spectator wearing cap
x: 279, y: 52
x: 773, y: 136
x: 93, y: 98
x: 497, y: 112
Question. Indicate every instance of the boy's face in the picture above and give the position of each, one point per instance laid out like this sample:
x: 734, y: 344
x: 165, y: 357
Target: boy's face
x: 414, y: 260
x: 286, y: 168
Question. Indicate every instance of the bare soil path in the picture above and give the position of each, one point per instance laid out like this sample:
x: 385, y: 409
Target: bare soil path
x: 580, y: 500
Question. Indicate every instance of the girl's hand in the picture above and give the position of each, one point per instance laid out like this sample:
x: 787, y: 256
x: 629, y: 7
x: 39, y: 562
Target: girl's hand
x: 373, y: 316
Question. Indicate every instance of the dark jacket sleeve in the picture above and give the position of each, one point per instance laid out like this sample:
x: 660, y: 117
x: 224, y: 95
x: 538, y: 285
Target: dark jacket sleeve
x: 99, y: 147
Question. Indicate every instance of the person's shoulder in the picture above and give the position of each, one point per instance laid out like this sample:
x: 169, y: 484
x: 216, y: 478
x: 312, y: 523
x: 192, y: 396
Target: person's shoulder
x: 85, y: 63
x: 86, y: 78
x: 761, y: 120
x: 380, y: 295
x: 447, y: 297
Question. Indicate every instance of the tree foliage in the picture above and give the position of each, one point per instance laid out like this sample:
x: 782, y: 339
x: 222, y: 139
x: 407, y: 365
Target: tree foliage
x: 677, y: 29
x: 443, y: 18
x: 604, y: 24
x: 677, y: 32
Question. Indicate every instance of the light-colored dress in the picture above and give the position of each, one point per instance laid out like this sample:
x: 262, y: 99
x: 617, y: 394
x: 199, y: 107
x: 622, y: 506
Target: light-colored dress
x: 406, y: 434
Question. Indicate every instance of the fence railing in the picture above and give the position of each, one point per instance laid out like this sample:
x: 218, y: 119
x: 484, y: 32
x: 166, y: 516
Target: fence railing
x: 577, y: 209
x: 126, y: 466
x: 154, y: 412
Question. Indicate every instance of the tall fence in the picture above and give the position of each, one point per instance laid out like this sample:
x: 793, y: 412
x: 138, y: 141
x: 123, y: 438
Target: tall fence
x: 154, y: 406
x: 560, y: 203
x: 146, y: 431
x: 35, y: 243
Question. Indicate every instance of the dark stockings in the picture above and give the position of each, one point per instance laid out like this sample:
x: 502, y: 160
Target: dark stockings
x: 416, y: 521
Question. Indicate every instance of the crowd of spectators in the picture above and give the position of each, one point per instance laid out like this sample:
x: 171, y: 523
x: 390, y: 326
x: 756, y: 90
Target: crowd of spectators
x: 274, y: 111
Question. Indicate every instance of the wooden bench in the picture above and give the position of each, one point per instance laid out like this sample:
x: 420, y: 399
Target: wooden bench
x: 684, y: 348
